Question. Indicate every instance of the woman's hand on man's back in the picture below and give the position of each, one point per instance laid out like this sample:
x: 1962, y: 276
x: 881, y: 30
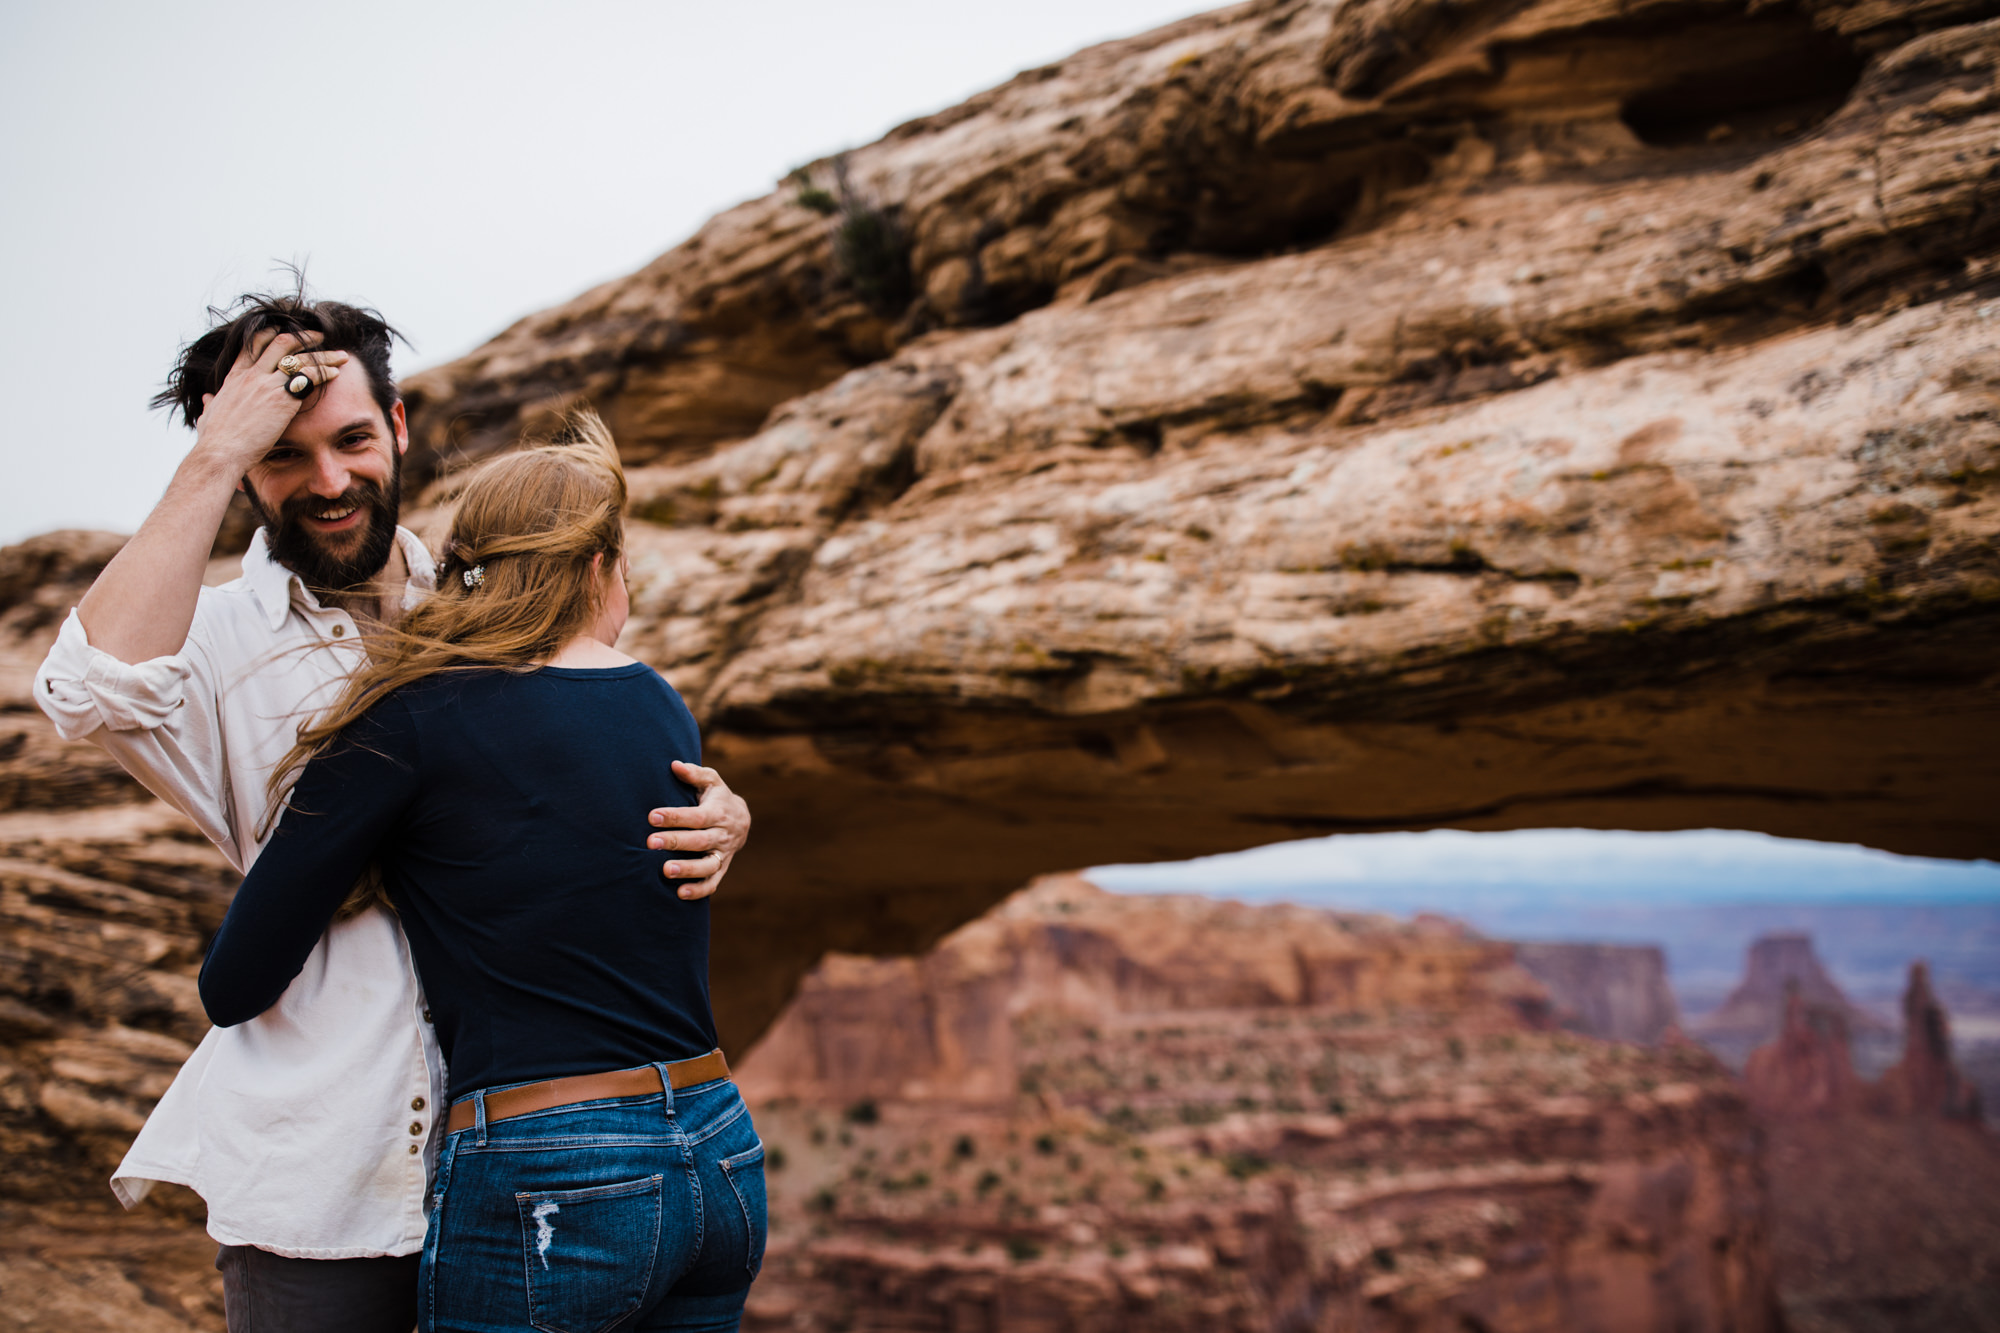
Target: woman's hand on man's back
x: 712, y: 831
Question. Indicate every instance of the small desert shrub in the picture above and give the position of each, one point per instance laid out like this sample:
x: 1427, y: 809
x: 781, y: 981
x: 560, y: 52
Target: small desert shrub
x: 809, y: 196
x: 1020, y: 1249
x: 863, y: 1113
x: 871, y: 250
x: 1244, y: 1165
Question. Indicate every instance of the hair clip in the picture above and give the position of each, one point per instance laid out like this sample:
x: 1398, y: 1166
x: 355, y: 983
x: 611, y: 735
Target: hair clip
x: 475, y: 576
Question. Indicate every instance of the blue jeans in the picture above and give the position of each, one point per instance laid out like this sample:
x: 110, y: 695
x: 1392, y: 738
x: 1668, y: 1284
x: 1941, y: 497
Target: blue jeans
x: 639, y: 1212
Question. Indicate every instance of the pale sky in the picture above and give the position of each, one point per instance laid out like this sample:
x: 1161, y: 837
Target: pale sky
x: 1457, y: 872
x: 456, y: 165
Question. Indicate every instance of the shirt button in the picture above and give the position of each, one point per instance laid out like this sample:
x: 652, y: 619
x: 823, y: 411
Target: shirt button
x: 416, y: 1127
x: 413, y: 1150
x: 427, y: 1015
x: 339, y: 630
x: 416, y: 1103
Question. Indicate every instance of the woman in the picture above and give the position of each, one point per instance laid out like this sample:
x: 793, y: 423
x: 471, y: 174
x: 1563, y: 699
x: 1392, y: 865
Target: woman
x: 493, y: 764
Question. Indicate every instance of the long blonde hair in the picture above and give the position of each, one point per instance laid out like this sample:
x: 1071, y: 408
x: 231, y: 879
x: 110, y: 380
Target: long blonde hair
x: 518, y: 580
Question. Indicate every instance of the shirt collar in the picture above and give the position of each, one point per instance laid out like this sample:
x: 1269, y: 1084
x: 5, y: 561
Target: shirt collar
x: 274, y: 586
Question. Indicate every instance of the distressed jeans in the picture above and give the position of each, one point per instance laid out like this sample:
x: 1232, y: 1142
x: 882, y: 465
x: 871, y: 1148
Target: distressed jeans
x: 639, y: 1212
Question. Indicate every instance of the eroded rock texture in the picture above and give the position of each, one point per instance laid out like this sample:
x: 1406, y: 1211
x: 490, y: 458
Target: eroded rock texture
x: 1091, y: 1112
x: 1884, y: 1197
x: 107, y: 902
x: 1312, y: 417
x: 1616, y: 991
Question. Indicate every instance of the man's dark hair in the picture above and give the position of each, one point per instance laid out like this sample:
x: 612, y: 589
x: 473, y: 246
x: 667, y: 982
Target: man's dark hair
x: 205, y: 362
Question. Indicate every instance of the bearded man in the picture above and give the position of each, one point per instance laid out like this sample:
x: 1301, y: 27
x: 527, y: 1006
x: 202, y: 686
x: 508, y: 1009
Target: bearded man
x: 310, y: 1132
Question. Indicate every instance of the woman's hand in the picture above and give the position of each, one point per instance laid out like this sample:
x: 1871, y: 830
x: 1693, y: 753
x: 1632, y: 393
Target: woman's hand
x: 714, y: 830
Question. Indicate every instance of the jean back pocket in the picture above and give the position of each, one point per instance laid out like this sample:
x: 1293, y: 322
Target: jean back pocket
x: 590, y: 1252
x: 745, y: 1173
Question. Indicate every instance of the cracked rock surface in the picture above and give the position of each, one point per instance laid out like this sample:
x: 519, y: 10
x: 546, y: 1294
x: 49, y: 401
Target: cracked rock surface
x: 1314, y: 417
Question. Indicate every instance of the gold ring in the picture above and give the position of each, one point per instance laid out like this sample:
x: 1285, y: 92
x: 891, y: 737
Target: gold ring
x: 289, y: 364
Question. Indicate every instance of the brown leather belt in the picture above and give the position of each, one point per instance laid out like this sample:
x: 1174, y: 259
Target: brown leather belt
x: 587, y: 1088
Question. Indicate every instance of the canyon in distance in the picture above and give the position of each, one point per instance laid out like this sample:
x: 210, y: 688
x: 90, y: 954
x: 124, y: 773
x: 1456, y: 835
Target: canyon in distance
x: 1304, y: 418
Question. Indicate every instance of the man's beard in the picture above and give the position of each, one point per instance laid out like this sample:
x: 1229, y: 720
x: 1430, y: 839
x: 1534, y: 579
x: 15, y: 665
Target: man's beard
x: 296, y: 547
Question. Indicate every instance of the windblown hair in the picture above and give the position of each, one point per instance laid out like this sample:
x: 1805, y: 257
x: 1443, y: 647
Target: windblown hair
x: 534, y: 526
x: 204, y: 363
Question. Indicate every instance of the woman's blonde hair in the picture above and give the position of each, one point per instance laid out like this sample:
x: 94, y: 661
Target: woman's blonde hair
x: 518, y: 579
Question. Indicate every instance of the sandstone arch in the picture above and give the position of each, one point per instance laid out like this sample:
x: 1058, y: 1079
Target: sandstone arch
x: 1321, y: 417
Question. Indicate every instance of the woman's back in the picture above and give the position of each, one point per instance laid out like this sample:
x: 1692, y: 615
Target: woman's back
x: 510, y: 811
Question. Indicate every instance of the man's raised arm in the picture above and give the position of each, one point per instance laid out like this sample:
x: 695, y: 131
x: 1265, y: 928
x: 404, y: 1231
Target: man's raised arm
x: 143, y: 603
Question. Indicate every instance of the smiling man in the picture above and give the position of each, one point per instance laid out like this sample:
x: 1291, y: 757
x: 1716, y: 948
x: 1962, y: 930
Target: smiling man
x: 309, y: 1131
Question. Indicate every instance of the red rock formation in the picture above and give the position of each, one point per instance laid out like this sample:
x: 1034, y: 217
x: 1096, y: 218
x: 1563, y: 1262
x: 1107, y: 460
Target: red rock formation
x: 1926, y: 1081
x: 1615, y: 991
x: 1760, y: 1008
x: 1807, y: 1069
x: 1885, y: 1199
x: 1884, y: 1223
x: 1093, y: 1112
x: 943, y: 1027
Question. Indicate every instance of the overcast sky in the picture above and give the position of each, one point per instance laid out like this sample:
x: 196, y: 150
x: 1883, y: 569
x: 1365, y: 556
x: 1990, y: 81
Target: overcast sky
x: 456, y: 165
x: 1455, y: 871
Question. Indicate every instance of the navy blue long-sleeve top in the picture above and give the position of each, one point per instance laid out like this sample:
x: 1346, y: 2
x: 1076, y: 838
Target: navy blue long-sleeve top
x: 507, y: 813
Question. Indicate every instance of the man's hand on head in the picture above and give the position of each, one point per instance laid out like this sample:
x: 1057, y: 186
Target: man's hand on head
x: 241, y: 421
x: 709, y: 834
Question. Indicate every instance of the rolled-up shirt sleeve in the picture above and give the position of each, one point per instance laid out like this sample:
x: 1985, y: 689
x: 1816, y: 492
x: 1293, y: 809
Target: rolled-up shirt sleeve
x: 160, y: 719
x: 83, y: 688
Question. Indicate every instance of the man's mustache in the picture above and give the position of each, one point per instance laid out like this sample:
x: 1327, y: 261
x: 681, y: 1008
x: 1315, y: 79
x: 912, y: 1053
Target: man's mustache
x: 359, y: 495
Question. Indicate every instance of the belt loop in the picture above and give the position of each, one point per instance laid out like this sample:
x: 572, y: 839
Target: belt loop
x: 479, y: 1117
x: 666, y: 1087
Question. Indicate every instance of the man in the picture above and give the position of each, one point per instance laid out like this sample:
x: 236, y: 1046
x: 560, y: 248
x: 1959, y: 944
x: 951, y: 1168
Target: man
x: 310, y: 1131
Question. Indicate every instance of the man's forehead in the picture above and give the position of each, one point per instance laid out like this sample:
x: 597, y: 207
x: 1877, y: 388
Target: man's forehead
x: 342, y: 407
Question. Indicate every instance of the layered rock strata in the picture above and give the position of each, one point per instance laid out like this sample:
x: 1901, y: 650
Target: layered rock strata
x: 104, y: 916
x: 107, y: 903
x: 1088, y: 1112
x: 1312, y: 417
x: 1615, y: 991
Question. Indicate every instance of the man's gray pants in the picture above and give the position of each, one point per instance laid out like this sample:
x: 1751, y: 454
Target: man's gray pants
x: 269, y: 1293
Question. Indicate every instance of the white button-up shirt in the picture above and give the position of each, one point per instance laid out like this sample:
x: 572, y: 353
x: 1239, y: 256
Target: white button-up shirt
x: 309, y: 1130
